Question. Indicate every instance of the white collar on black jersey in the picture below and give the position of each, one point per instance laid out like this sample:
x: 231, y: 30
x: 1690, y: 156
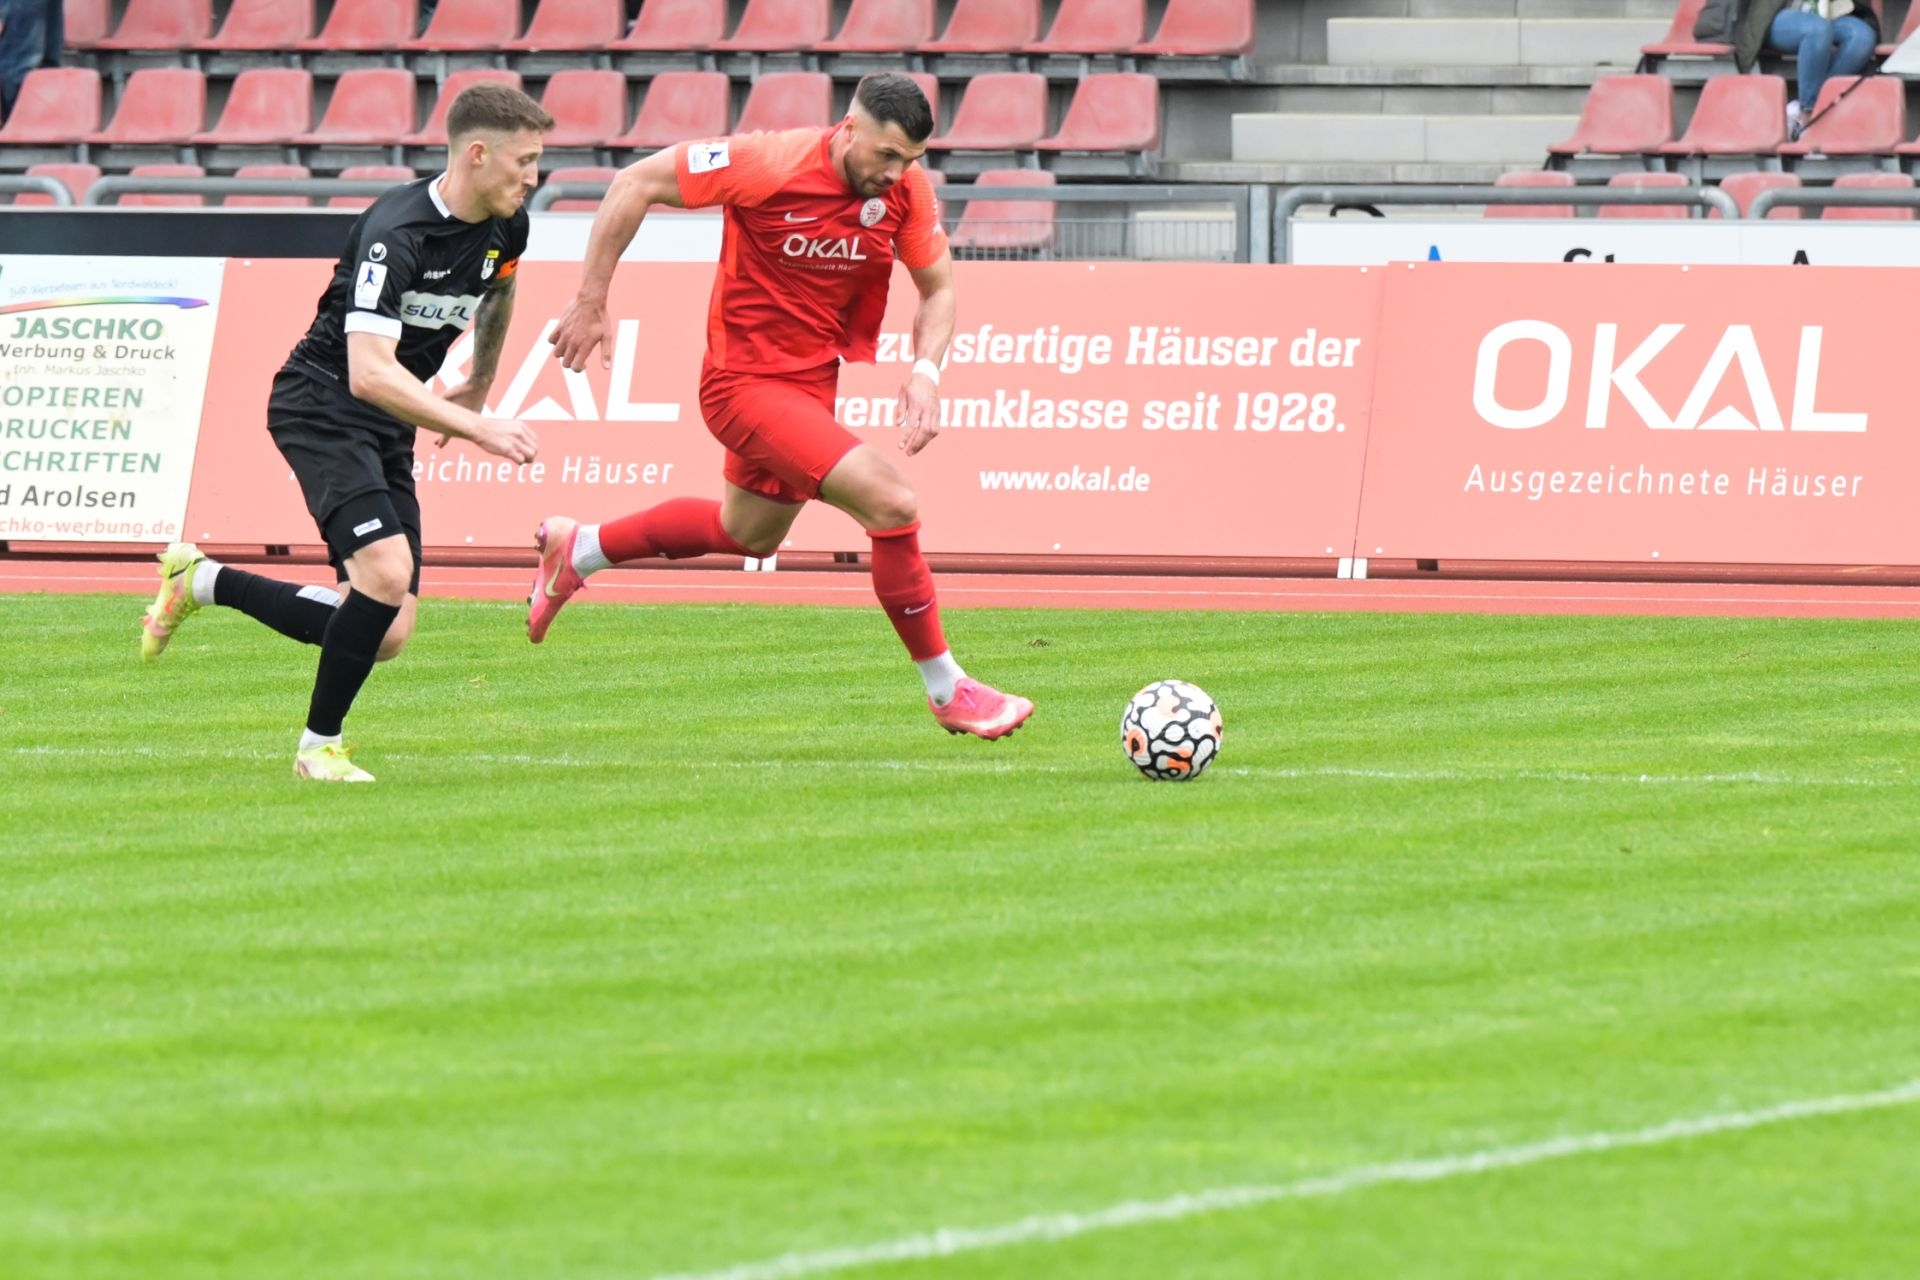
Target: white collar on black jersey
x: 433, y: 189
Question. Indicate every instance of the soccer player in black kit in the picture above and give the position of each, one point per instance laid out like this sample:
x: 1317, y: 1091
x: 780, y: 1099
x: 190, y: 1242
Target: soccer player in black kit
x: 425, y: 261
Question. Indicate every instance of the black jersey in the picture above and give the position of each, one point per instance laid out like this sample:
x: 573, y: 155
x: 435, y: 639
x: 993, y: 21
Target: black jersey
x: 413, y: 272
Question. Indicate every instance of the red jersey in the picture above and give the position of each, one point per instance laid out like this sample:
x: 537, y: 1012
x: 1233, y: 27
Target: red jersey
x: 805, y: 260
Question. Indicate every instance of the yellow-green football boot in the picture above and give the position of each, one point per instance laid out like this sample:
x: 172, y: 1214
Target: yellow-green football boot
x: 175, y: 603
x: 328, y: 762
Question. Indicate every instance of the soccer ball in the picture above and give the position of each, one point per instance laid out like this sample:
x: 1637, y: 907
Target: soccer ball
x: 1171, y: 731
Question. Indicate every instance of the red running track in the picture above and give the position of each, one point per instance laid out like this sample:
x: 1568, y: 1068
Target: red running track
x: 970, y: 590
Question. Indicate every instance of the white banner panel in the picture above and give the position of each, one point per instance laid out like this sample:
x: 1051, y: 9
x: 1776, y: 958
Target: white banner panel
x: 1367, y: 242
x: 103, y: 367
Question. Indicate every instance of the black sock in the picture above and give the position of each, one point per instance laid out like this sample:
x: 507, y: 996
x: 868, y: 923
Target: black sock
x: 300, y: 612
x: 346, y: 657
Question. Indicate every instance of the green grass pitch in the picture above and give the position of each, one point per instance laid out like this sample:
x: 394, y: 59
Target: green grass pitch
x: 687, y: 942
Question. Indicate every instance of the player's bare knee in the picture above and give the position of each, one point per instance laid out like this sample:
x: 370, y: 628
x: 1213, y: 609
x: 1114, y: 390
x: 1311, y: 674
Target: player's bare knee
x: 760, y: 546
x: 382, y: 572
x: 894, y: 509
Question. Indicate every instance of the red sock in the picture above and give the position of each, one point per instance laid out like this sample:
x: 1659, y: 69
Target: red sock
x: 905, y: 586
x: 676, y: 529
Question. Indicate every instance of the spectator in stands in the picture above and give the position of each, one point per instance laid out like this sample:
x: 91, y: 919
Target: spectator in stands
x: 1829, y: 37
x: 32, y: 34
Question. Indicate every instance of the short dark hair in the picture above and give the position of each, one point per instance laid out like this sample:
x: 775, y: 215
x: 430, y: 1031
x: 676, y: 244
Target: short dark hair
x: 495, y: 108
x: 893, y: 98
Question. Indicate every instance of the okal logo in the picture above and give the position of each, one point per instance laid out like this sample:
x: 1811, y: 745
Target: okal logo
x: 799, y: 246
x: 1608, y: 372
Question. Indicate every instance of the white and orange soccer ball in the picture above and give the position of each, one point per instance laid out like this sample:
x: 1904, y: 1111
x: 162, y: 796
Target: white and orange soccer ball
x: 1171, y: 731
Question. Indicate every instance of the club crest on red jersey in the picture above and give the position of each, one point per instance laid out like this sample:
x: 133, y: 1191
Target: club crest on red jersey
x: 872, y: 211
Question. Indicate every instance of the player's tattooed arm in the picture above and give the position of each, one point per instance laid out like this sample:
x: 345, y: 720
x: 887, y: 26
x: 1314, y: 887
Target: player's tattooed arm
x: 490, y: 334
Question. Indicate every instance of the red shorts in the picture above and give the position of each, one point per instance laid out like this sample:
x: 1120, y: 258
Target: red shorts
x: 778, y: 429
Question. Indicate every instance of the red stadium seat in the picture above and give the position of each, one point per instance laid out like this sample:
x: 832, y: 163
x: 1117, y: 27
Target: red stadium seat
x: 672, y: 26
x: 434, y: 132
x: 1623, y: 116
x: 573, y: 26
x: 1871, y: 122
x: 161, y: 24
x: 988, y: 26
x: 938, y: 178
x: 1094, y: 26
x: 1743, y: 187
x: 76, y: 178
x: 589, y: 108
x: 1737, y: 116
x: 160, y: 105
x: 1203, y: 28
x: 155, y: 201
x: 371, y: 106
x: 462, y: 25
x: 585, y: 173
x: 1007, y: 226
x: 1532, y: 178
x: 57, y: 105
x: 268, y: 106
x: 269, y: 202
x: 929, y: 85
x: 778, y: 26
x: 1679, y: 41
x: 679, y: 107
x: 1871, y: 182
x: 88, y: 22
x: 263, y: 25
x: 363, y: 26
x: 1004, y: 111
x: 397, y: 172
x: 882, y: 26
x: 787, y: 100
x: 1119, y: 112
x: 1907, y: 28
x: 1646, y: 210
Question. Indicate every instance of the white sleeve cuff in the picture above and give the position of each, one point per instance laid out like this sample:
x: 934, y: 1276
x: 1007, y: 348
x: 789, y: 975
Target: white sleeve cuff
x: 373, y: 322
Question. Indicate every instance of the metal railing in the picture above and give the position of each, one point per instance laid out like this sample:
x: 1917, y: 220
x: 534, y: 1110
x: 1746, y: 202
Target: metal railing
x: 1363, y: 196
x: 1850, y: 197
x: 1109, y: 221
x: 109, y: 190
x: 1111, y: 228
x: 37, y: 184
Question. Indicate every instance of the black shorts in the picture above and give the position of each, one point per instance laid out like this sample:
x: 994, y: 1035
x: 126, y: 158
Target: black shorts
x: 357, y: 477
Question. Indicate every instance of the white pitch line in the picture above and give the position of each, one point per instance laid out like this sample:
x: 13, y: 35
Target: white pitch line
x: 1053, y: 1227
x: 958, y: 765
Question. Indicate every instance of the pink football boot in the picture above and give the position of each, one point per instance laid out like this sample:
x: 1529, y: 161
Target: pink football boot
x: 555, y: 581
x: 982, y: 711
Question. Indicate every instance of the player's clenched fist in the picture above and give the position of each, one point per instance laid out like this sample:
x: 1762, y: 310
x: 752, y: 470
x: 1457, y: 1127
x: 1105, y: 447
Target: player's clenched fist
x: 582, y: 328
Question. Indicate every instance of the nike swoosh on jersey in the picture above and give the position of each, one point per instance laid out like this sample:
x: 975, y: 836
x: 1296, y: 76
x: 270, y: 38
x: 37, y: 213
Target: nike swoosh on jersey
x: 791, y: 218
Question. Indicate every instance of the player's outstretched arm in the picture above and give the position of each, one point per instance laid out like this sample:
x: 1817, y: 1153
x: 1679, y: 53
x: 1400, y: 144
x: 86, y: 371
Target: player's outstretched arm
x: 635, y: 189
x: 932, y: 331
x: 376, y: 376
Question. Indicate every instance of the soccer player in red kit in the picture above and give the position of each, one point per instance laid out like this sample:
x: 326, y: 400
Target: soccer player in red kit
x: 814, y: 220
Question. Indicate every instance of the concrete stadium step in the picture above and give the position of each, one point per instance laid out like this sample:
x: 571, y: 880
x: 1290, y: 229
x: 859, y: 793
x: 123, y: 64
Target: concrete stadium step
x: 1489, y: 41
x: 1314, y: 138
